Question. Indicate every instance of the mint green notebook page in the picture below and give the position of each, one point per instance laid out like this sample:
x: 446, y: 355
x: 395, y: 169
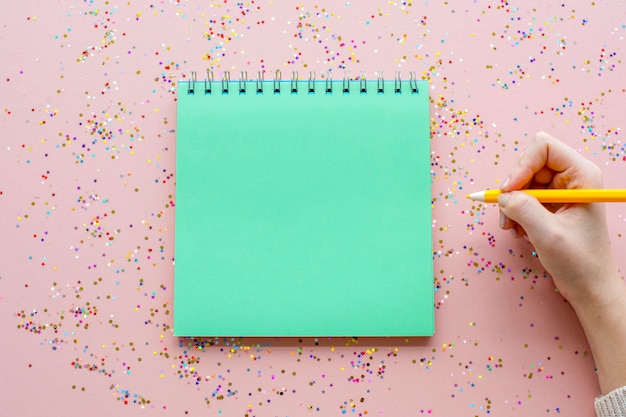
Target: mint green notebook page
x: 303, y: 214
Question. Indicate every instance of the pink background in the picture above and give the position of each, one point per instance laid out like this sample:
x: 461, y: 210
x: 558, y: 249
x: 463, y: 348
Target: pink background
x: 87, y: 176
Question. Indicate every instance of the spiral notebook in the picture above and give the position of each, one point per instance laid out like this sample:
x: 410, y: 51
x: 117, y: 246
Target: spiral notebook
x: 303, y: 208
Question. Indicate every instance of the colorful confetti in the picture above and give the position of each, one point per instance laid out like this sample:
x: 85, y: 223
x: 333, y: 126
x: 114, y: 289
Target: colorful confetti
x: 87, y: 196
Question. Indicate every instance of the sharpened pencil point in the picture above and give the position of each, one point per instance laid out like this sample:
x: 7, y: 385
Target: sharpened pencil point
x: 478, y: 196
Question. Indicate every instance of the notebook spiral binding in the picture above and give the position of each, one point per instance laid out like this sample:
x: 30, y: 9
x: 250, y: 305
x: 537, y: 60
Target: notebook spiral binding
x: 225, y: 85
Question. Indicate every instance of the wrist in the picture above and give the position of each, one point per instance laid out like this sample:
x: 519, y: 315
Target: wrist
x: 601, y: 299
x: 602, y: 318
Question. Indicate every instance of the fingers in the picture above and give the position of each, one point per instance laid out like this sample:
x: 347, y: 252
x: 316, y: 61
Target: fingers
x: 546, y: 163
x: 508, y: 224
x: 554, y: 164
x: 544, y: 176
x: 523, y: 214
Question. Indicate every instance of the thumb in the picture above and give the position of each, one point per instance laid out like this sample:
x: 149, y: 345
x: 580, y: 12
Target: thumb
x: 526, y: 211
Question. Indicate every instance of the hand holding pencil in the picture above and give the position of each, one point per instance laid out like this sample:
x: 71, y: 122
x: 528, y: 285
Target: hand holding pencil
x: 572, y: 242
x: 557, y: 231
x: 549, y: 164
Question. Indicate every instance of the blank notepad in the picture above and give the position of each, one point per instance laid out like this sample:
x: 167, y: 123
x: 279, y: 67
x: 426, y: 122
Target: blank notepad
x: 304, y: 209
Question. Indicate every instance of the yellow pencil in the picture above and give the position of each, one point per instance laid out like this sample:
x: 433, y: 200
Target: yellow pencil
x: 558, y: 196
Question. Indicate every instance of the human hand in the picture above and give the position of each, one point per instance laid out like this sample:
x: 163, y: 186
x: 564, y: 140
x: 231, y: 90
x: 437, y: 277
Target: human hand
x: 571, y: 240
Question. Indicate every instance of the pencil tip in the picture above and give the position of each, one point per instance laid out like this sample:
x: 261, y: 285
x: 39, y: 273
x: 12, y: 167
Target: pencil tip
x: 478, y: 196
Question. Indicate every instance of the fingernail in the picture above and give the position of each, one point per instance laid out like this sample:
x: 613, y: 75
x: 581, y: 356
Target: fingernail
x: 514, y: 232
x: 506, y: 182
x: 502, y: 220
x: 502, y: 199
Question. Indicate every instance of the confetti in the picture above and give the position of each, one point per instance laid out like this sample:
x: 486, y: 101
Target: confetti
x: 88, y: 199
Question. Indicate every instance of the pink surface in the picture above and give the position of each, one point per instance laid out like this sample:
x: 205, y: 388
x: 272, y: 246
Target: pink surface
x: 87, y: 175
